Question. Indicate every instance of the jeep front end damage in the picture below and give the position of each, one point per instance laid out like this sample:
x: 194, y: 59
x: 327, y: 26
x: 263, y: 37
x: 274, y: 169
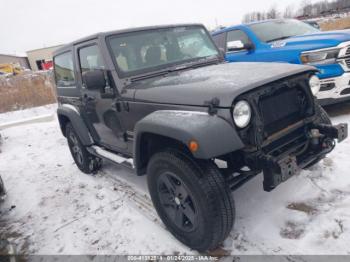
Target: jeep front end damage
x: 320, y: 142
x: 286, y: 156
x: 285, y: 134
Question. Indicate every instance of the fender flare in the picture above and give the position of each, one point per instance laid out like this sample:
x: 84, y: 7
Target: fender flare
x: 72, y: 113
x: 214, y: 135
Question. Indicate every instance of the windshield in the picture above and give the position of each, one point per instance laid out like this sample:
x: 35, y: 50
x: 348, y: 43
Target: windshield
x: 281, y: 29
x: 157, y: 49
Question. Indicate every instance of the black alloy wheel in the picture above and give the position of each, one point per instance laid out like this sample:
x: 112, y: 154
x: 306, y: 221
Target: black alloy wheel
x: 177, y: 201
x: 191, y: 197
x: 85, y: 161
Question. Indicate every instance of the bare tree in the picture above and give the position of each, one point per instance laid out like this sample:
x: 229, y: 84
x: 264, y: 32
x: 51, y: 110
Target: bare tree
x: 306, y: 7
x: 272, y: 13
x: 246, y: 18
x: 289, y: 12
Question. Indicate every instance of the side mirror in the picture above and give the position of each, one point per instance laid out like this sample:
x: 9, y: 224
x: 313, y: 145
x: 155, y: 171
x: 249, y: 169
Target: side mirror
x: 249, y: 46
x: 238, y: 45
x: 94, y: 80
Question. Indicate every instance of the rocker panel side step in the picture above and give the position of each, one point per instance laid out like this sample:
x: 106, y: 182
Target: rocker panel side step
x: 116, y: 158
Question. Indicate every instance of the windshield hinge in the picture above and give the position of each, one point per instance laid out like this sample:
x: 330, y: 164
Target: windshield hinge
x: 212, y: 105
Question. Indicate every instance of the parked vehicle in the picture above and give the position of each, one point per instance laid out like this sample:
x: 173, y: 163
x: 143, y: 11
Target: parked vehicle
x: 313, y: 23
x: 293, y: 41
x: 11, y: 68
x: 162, y: 100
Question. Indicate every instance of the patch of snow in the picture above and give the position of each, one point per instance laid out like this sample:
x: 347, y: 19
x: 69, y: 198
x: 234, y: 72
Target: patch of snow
x: 27, y: 113
x: 24, y: 121
x: 59, y: 210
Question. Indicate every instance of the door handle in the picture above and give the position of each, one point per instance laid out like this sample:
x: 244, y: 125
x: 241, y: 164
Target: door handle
x: 120, y: 105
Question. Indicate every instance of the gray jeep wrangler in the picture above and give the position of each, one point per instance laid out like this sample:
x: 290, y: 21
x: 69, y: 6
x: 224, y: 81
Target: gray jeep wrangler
x: 161, y: 100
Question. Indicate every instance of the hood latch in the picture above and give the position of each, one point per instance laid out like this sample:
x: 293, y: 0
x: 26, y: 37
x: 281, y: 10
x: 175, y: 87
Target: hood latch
x: 212, y: 105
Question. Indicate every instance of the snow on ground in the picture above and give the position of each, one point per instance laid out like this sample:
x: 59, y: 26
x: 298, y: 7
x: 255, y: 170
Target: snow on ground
x: 27, y: 113
x: 52, y: 208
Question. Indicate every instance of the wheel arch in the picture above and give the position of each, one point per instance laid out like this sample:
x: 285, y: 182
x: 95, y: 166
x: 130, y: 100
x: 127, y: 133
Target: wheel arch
x: 68, y: 113
x: 170, y: 128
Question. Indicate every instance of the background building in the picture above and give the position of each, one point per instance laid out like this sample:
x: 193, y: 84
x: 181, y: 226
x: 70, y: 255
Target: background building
x: 13, y: 59
x: 41, y: 59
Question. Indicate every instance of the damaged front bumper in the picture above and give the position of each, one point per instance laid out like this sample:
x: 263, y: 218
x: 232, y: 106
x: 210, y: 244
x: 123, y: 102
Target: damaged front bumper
x: 277, y: 169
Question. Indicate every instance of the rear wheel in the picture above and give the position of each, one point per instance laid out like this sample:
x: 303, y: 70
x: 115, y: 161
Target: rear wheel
x: 85, y: 161
x: 191, y: 198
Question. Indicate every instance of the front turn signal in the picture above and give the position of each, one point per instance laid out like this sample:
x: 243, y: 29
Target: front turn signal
x: 193, y: 146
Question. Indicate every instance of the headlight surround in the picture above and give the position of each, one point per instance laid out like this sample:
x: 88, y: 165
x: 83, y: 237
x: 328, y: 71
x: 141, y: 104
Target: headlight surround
x: 315, y: 84
x: 320, y: 57
x: 242, y: 113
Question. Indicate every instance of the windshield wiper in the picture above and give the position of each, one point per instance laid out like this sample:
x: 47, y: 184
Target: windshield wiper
x: 151, y: 75
x: 194, y: 64
x: 205, y: 61
x: 279, y: 38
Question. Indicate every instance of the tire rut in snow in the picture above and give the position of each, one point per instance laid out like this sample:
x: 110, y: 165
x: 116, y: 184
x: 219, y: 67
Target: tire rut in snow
x: 141, y: 202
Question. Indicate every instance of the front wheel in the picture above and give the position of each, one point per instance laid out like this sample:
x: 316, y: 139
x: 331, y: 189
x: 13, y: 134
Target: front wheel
x: 191, y: 198
x: 85, y: 161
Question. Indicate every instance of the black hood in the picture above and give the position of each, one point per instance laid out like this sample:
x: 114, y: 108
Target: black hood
x: 223, y: 81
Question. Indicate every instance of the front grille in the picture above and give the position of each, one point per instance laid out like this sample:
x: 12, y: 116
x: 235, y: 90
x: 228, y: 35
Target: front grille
x: 281, y: 109
x: 278, y: 108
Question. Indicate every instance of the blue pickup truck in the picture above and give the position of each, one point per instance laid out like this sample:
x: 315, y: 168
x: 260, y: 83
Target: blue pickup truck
x: 293, y: 41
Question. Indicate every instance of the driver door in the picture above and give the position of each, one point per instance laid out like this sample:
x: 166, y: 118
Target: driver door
x: 99, y: 114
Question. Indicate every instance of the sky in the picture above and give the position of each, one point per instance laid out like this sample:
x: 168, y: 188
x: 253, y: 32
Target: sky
x: 32, y: 24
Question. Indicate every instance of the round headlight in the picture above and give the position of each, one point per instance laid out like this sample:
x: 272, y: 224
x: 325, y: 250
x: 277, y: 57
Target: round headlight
x: 242, y: 113
x: 315, y: 84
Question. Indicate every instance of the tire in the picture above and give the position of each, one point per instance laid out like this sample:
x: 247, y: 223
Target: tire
x: 191, y: 198
x: 86, y: 162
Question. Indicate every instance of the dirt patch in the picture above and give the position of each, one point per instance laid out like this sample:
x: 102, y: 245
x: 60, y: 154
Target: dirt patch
x: 218, y: 252
x: 292, y: 230
x: 302, y: 207
x: 336, y: 232
x: 7, y: 243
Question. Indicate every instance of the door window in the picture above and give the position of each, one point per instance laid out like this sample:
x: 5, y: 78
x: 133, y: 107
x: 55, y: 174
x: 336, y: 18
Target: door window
x: 64, y: 70
x: 90, y: 58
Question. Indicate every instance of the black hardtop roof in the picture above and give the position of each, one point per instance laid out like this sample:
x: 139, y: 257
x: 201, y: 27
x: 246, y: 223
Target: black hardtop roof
x: 121, y: 31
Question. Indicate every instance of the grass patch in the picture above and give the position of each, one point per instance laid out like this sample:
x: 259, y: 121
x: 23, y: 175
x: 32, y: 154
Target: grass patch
x: 26, y: 91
